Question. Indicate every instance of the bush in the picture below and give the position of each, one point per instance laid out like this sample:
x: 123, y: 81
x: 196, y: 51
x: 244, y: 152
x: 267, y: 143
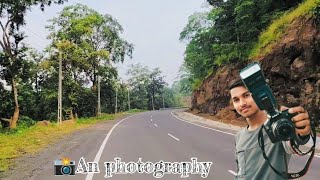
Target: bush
x: 25, y: 121
x: 135, y: 110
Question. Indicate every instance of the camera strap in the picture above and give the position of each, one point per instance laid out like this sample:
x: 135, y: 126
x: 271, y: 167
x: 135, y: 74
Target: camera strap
x: 285, y: 174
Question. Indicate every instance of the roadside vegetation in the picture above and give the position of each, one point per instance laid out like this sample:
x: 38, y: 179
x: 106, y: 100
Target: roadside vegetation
x: 222, y: 35
x: 275, y: 31
x: 15, y: 143
x: 88, y: 44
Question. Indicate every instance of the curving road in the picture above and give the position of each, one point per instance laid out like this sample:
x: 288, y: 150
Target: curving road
x: 152, y: 136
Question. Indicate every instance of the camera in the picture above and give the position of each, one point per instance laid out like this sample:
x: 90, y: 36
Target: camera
x: 61, y: 168
x: 279, y: 127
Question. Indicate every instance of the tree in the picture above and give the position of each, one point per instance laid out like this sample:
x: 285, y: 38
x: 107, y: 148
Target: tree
x: 147, y: 87
x: 138, y: 81
x: 95, y: 37
x: 224, y: 36
x: 93, y: 42
x: 155, y: 89
x: 12, y: 14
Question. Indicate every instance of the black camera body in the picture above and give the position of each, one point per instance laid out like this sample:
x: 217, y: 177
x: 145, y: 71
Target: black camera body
x: 61, y: 169
x: 279, y: 127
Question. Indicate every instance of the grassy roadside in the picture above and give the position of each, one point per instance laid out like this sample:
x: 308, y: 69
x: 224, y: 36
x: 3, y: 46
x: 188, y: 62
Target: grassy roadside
x: 33, y: 139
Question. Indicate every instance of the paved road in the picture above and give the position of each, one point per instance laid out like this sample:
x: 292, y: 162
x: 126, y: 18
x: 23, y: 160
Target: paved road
x: 152, y: 137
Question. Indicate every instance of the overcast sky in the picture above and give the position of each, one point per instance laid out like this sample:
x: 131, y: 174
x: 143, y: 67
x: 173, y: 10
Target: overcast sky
x: 153, y: 26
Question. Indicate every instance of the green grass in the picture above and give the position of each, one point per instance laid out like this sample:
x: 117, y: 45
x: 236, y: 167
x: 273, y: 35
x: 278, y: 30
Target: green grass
x: 277, y: 28
x: 15, y: 143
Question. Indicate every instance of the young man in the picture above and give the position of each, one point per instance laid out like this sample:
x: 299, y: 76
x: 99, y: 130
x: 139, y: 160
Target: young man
x: 250, y: 161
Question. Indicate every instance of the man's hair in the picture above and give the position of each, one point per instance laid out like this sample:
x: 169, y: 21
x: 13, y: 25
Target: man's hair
x: 236, y: 83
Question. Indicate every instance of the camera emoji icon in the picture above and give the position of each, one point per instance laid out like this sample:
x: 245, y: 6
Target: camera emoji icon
x: 64, y: 167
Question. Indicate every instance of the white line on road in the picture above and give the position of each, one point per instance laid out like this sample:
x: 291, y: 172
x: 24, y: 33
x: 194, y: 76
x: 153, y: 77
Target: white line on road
x: 318, y: 156
x: 99, y: 153
x: 151, y: 120
x: 173, y: 137
x: 232, y: 172
x: 200, y: 125
x: 155, y: 125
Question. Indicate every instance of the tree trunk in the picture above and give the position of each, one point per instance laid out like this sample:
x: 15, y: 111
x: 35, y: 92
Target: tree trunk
x: 14, y: 119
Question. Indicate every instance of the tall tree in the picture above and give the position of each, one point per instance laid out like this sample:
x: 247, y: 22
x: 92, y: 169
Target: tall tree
x: 138, y: 81
x: 156, y: 89
x: 93, y: 39
x: 12, y: 14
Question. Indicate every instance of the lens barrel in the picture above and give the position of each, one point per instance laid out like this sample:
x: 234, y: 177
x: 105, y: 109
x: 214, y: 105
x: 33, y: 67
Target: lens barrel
x: 283, y: 129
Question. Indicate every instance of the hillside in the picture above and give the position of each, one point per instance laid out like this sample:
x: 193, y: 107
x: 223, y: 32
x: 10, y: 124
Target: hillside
x: 292, y: 66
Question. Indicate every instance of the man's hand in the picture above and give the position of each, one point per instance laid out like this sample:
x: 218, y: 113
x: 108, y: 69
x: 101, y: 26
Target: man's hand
x: 301, y: 120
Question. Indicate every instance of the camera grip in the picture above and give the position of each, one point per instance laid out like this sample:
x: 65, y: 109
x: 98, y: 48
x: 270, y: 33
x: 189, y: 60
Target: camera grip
x: 301, y: 140
x: 289, y: 115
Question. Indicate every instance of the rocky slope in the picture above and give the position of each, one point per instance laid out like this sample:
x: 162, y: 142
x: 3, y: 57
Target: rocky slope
x: 292, y: 67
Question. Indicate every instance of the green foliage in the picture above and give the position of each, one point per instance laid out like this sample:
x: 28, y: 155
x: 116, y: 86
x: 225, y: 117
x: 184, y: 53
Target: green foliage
x: 173, y: 98
x: 226, y: 34
x: 87, y: 42
x: 145, y: 85
x: 134, y: 111
x: 277, y: 28
x: 85, y: 39
x: 316, y: 13
x: 196, y: 84
x: 6, y: 105
x: 15, y: 143
x: 14, y: 67
x: 25, y: 122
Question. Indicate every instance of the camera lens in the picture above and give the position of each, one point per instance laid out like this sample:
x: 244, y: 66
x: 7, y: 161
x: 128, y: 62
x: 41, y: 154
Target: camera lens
x: 283, y: 129
x: 66, y: 169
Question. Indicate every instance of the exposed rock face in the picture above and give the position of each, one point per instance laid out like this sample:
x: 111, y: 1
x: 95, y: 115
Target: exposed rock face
x: 293, y: 70
x: 213, y: 95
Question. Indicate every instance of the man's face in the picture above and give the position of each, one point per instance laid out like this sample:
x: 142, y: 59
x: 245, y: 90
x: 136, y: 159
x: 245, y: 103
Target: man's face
x: 243, y: 101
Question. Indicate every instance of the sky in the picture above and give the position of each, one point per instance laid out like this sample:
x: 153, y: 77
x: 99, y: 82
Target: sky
x: 153, y: 26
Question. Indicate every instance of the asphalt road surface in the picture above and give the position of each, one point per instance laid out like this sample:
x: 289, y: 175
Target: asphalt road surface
x: 155, y: 140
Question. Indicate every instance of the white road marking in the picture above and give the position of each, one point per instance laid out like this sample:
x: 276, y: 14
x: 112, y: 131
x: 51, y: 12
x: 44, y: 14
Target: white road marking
x: 151, y: 120
x: 318, y: 156
x: 155, y: 125
x: 99, y: 153
x: 173, y: 137
x: 232, y: 172
x: 201, y: 125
